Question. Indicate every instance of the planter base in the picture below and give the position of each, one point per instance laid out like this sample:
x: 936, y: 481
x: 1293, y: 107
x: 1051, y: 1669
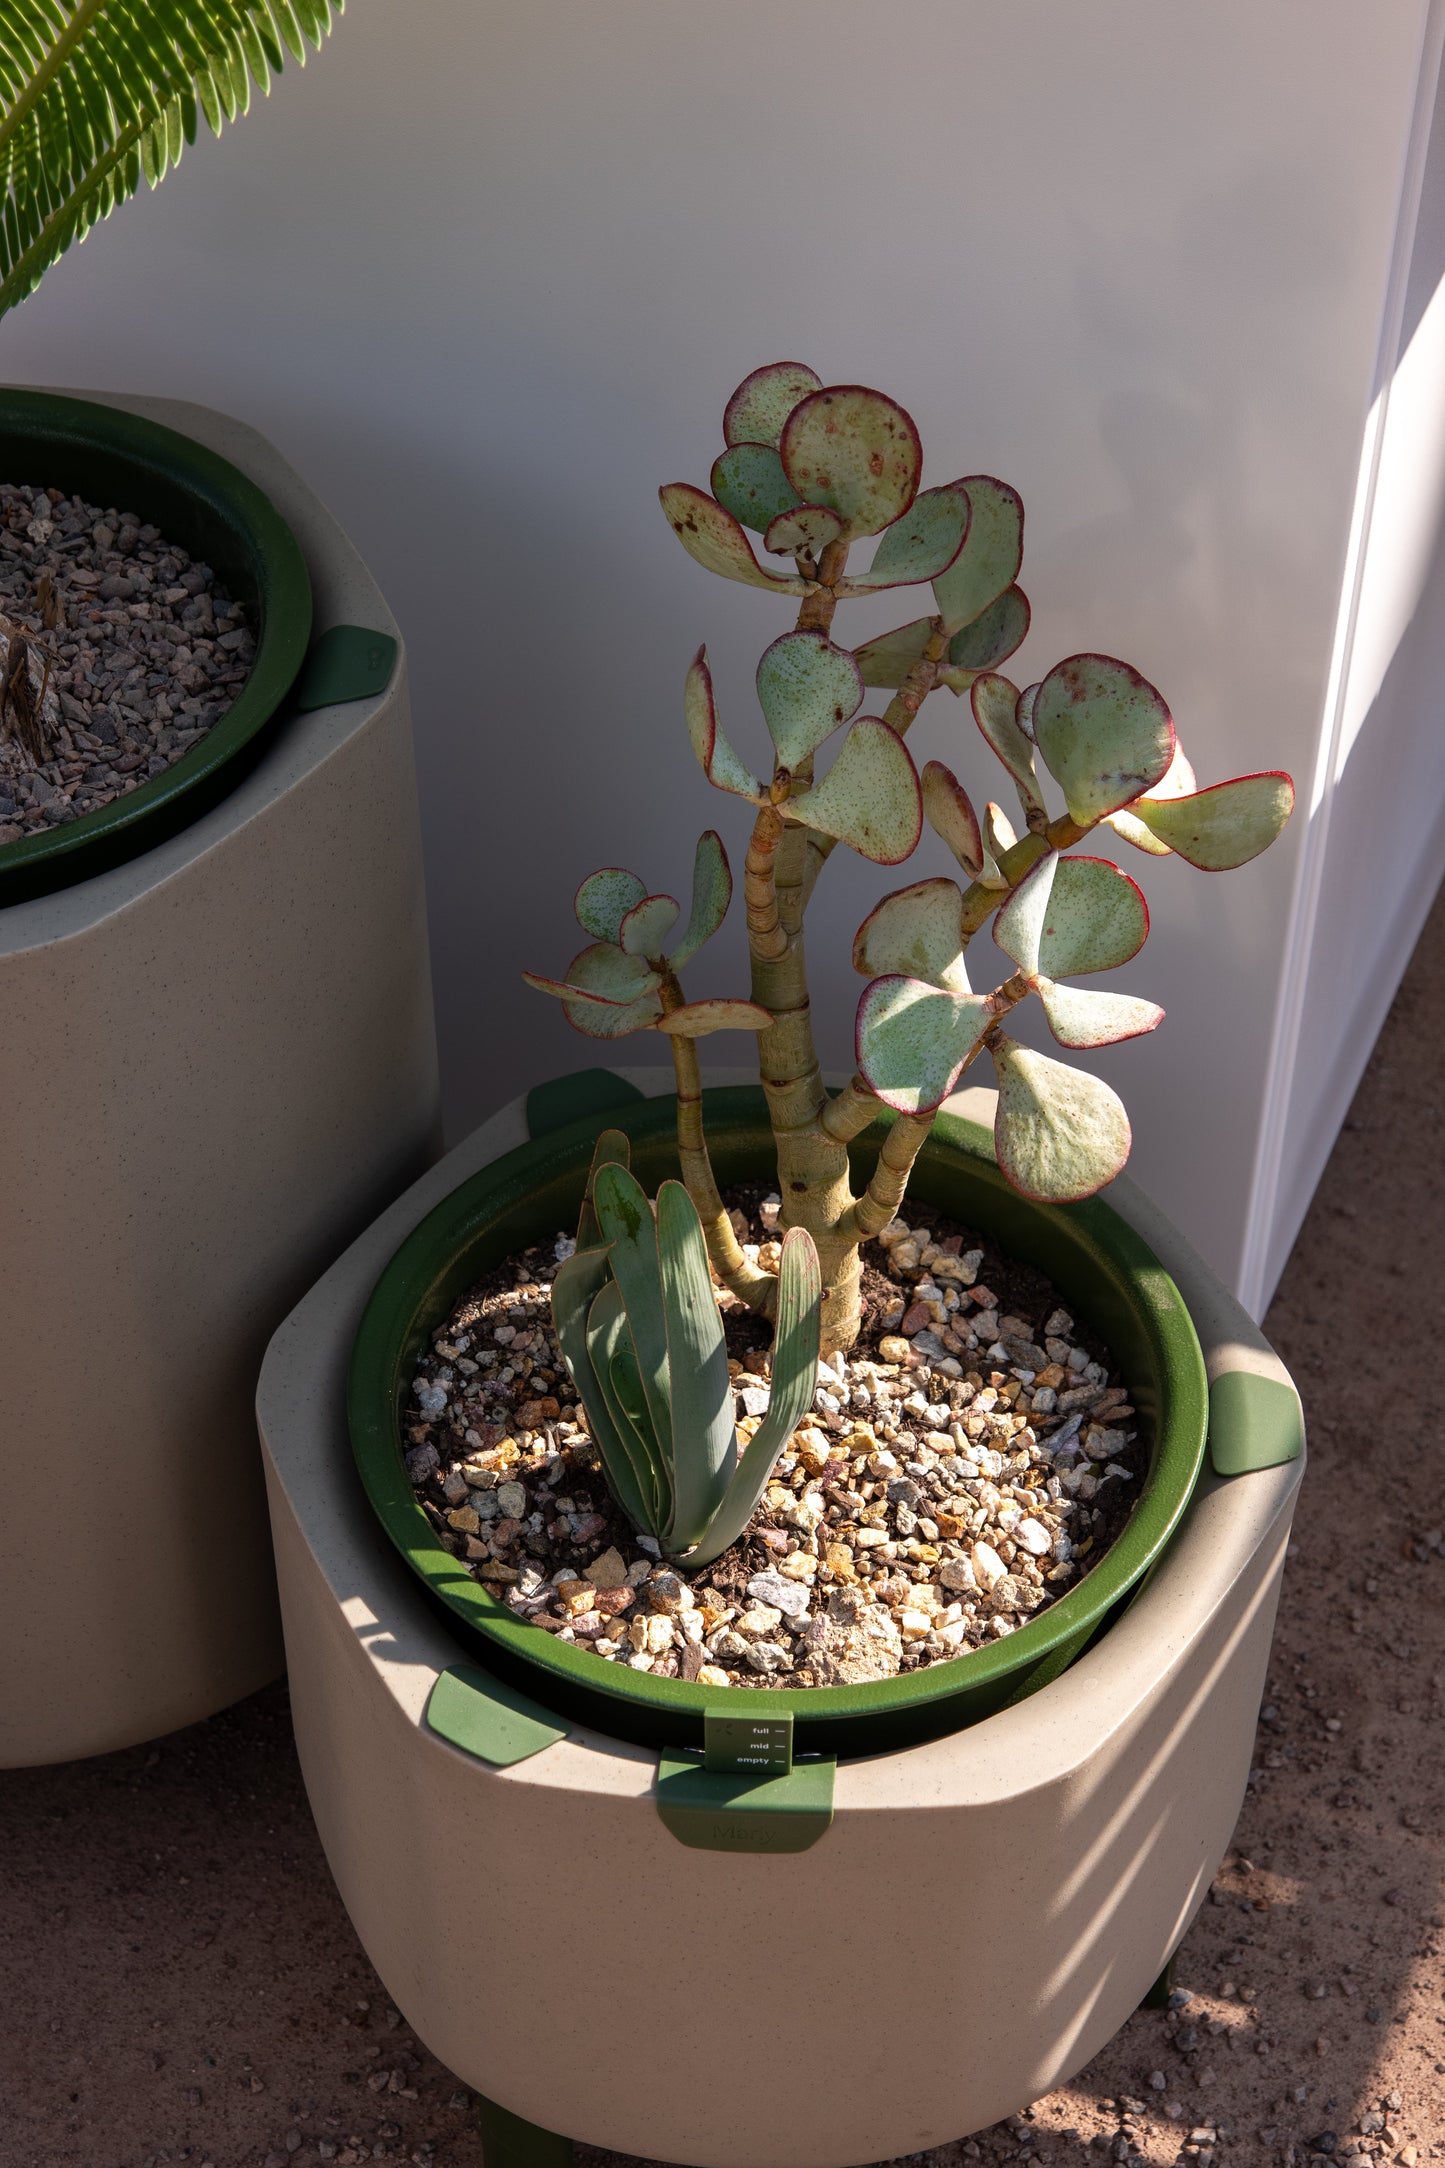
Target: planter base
x: 982, y: 1914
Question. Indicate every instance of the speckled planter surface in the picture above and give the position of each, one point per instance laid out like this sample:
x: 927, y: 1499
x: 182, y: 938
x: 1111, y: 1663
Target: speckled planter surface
x: 217, y: 1061
x: 982, y: 1913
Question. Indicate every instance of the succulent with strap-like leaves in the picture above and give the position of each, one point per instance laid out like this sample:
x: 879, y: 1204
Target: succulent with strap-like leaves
x: 810, y: 469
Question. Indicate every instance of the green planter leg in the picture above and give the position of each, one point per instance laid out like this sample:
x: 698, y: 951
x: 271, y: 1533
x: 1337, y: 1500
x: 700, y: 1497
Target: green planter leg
x: 508, y: 2142
x: 1156, y: 1999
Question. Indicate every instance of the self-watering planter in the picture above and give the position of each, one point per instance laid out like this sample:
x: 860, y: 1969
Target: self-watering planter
x: 963, y: 1883
x: 217, y: 1061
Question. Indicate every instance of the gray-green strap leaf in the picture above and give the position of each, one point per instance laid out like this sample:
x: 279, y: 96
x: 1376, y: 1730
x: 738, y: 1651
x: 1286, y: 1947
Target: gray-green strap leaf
x: 704, y: 1436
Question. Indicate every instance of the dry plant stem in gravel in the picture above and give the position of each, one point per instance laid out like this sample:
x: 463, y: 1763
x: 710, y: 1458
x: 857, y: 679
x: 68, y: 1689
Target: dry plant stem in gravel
x: 813, y: 469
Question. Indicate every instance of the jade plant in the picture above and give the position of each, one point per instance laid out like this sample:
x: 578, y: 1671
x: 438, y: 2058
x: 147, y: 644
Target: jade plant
x: 641, y: 1334
x: 1090, y: 753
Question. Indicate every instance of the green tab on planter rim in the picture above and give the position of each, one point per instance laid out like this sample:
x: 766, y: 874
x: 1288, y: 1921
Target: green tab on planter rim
x: 1254, y: 1422
x: 564, y: 1099
x: 346, y: 663
x: 755, y: 1746
x: 714, y: 1812
x: 476, y: 1712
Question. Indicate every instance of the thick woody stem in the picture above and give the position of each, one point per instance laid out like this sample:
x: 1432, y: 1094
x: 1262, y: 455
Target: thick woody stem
x: 880, y: 1201
x: 847, y: 1116
x: 919, y: 682
x: 758, y: 1289
x: 766, y: 937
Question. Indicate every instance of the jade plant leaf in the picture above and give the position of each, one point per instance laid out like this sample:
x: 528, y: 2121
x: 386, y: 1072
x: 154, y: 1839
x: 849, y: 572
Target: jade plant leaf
x: 757, y: 410
x: 887, y: 660
x: 915, y: 931
x: 1082, y: 1016
x: 1070, y: 915
x: 920, y: 545
x: 1225, y: 825
x: 856, y: 450
x: 806, y: 531
x: 604, y: 900
x: 710, y: 535
x: 712, y: 892
x: 998, y: 835
x: 995, y: 704
x: 648, y: 924
x: 1104, y: 732
x: 1178, y: 781
x: 951, y: 816
x: 990, y: 558
x: 1059, y: 1133
x: 695, y: 1019
x: 749, y: 482
x: 912, y: 1040
x: 869, y: 798
x: 806, y: 688
x: 993, y: 636
x: 704, y: 1436
x: 1025, y: 711
x: 720, y: 764
x: 795, y: 1377
x: 605, y: 993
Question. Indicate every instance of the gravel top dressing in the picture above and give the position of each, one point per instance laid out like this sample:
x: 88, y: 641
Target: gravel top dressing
x: 117, y: 654
x: 963, y: 1467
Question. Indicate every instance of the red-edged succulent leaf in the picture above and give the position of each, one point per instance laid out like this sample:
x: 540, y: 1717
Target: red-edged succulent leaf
x: 712, y: 892
x: 720, y: 764
x: 912, y: 1040
x: 994, y: 636
x: 804, y: 532
x: 695, y: 1019
x: 749, y: 482
x: 998, y: 835
x: 1104, y: 732
x: 757, y: 410
x: 915, y: 931
x: 1082, y: 1016
x: 1225, y: 825
x: 989, y: 561
x: 869, y: 799
x: 1177, y: 782
x: 1025, y: 709
x: 806, y: 688
x: 995, y: 703
x: 920, y: 545
x: 1071, y: 915
x: 887, y: 660
x: 605, y: 993
x: 951, y: 816
x: 604, y: 900
x: 647, y: 925
x: 710, y: 535
x: 856, y: 450
x: 1058, y: 1133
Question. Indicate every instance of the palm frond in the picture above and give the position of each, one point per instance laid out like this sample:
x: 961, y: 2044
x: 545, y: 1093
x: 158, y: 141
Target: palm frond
x: 97, y: 96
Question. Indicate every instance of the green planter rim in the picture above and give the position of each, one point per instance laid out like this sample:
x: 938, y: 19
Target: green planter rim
x: 199, y: 500
x: 469, y: 1230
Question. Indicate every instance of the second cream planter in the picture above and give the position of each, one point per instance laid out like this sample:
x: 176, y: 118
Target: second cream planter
x: 217, y: 1061
x: 979, y: 1916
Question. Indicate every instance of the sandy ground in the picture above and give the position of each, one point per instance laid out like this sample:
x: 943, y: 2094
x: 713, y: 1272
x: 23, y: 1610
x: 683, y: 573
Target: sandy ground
x: 180, y: 1983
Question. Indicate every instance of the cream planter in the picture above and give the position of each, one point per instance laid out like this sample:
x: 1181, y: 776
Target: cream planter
x: 217, y: 1062
x: 979, y: 1916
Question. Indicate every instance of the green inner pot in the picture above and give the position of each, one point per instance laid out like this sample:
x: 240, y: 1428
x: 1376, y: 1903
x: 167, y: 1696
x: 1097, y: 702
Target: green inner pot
x: 1101, y: 1268
x: 202, y: 502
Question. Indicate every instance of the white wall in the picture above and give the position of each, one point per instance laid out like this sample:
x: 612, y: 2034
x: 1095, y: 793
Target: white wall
x: 487, y: 273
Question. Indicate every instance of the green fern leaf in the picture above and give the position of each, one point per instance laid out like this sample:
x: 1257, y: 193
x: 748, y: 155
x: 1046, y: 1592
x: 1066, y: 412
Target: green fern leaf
x: 98, y: 96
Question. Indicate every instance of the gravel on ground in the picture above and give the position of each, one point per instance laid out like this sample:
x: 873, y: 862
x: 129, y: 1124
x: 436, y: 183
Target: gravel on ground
x: 182, y: 1984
